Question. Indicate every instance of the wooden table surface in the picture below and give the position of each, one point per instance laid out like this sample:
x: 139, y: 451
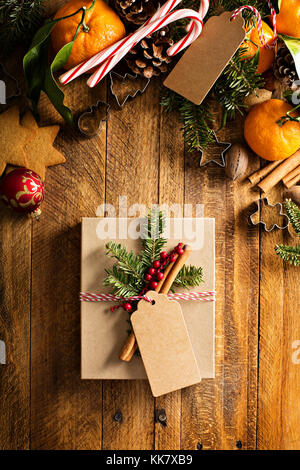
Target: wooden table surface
x: 254, y: 400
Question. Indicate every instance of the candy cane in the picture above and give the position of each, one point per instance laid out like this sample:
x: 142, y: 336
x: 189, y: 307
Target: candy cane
x: 259, y: 23
x: 123, y: 43
x: 150, y: 28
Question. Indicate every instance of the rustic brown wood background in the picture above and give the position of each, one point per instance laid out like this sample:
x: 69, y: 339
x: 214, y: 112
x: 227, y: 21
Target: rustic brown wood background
x: 254, y: 401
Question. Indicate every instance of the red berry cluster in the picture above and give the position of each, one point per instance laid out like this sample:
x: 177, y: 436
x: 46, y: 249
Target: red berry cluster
x: 155, y: 273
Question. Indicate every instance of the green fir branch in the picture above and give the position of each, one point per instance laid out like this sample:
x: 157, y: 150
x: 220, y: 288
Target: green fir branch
x: 119, y: 283
x: 128, y: 262
x: 19, y: 20
x: 152, y: 243
x: 293, y: 213
x: 290, y: 254
x: 189, y: 276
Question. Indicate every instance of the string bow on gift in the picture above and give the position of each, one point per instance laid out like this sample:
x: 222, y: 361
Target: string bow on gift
x: 208, y: 296
x: 110, y: 56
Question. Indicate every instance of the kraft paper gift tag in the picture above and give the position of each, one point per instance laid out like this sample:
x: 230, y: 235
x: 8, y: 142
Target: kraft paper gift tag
x: 204, y: 61
x: 164, y: 344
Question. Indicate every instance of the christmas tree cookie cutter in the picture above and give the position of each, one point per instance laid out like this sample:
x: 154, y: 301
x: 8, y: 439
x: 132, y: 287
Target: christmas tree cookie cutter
x: 256, y: 214
x: 221, y: 163
x: 127, y: 82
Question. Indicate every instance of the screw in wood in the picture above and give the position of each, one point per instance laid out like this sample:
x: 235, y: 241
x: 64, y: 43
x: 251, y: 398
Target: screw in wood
x: 239, y: 444
x: 118, y: 416
x: 161, y: 417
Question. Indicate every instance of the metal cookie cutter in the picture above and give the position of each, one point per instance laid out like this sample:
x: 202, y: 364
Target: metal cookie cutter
x: 130, y: 86
x: 227, y: 145
x: 4, y: 77
x: 267, y: 204
x: 90, y: 122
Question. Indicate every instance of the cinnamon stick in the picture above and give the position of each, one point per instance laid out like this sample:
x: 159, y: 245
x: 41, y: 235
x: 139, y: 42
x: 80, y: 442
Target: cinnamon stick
x: 280, y: 172
x: 291, y: 175
x: 257, y: 176
x: 163, y: 287
x: 293, y: 181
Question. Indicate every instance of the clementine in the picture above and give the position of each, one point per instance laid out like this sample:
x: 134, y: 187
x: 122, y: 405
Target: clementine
x: 263, y: 134
x: 288, y: 18
x: 102, y: 28
x: 252, y: 42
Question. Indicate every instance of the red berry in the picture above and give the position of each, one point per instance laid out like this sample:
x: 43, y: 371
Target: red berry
x: 159, y: 276
x: 173, y: 258
x: 180, y: 245
x: 163, y: 255
x: 151, y: 271
x: 180, y: 251
x: 127, y: 306
x: 153, y: 285
x: 148, y: 277
x: 156, y: 264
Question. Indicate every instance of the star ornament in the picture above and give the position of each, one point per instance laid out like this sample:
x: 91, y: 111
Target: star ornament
x: 218, y: 152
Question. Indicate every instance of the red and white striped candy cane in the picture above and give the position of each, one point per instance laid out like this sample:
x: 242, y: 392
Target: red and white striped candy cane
x: 259, y: 23
x: 148, y: 29
x: 123, y: 45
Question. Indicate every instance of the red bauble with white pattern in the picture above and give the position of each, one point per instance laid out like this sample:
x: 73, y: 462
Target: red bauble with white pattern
x: 23, y: 191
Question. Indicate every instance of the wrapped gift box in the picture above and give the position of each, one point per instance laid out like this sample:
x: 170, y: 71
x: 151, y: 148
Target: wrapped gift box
x: 103, y: 333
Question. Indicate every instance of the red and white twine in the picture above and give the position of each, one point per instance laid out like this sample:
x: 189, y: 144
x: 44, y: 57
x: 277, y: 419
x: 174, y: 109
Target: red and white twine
x: 208, y: 296
x: 110, y: 56
x: 259, y: 23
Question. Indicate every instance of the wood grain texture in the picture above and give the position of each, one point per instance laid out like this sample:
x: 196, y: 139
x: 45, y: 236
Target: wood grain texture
x: 218, y: 413
x: 15, y: 253
x: 66, y: 411
x: 279, y: 381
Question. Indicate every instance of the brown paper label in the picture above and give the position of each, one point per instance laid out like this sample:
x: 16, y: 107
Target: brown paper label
x: 205, y: 60
x: 164, y: 345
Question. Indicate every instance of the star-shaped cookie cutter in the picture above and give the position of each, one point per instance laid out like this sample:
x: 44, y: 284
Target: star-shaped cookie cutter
x: 227, y: 145
x: 122, y: 79
x: 266, y: 202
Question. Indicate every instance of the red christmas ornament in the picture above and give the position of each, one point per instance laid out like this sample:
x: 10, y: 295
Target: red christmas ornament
x: 23, y: 191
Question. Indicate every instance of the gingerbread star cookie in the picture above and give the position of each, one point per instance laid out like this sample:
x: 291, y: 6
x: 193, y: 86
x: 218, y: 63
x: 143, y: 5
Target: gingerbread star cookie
x: 40, y: 152
x: 13, y: 138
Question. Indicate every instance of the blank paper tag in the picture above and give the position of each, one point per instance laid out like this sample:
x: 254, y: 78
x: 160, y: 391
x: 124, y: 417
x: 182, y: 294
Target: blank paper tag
x: 205, y: 60
x: 164, y: 345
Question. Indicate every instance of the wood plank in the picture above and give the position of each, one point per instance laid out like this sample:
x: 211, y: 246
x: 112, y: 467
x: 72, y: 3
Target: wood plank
x: 279, y: 380
x: 218, y: 413
x: 171, y: 193
x: 15, y: 269
x: 66, y: 411
x: 131, y: 170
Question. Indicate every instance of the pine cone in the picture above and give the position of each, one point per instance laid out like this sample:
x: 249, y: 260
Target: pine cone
x: 136, y: 11
x: 284, y: 66
x: 149, y: 57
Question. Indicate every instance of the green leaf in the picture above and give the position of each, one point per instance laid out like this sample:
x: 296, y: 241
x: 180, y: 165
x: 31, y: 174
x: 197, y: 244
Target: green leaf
x: 50, y: 86
x: 35, y: 61
x: 293, y: 44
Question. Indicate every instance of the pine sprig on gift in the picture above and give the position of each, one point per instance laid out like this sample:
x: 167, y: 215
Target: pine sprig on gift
x: 291, y: 254
x: 120, y: 282
x: 128, y: 262
x: 152, y: 242
x: 189, y: 276
x: 19, y: 20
